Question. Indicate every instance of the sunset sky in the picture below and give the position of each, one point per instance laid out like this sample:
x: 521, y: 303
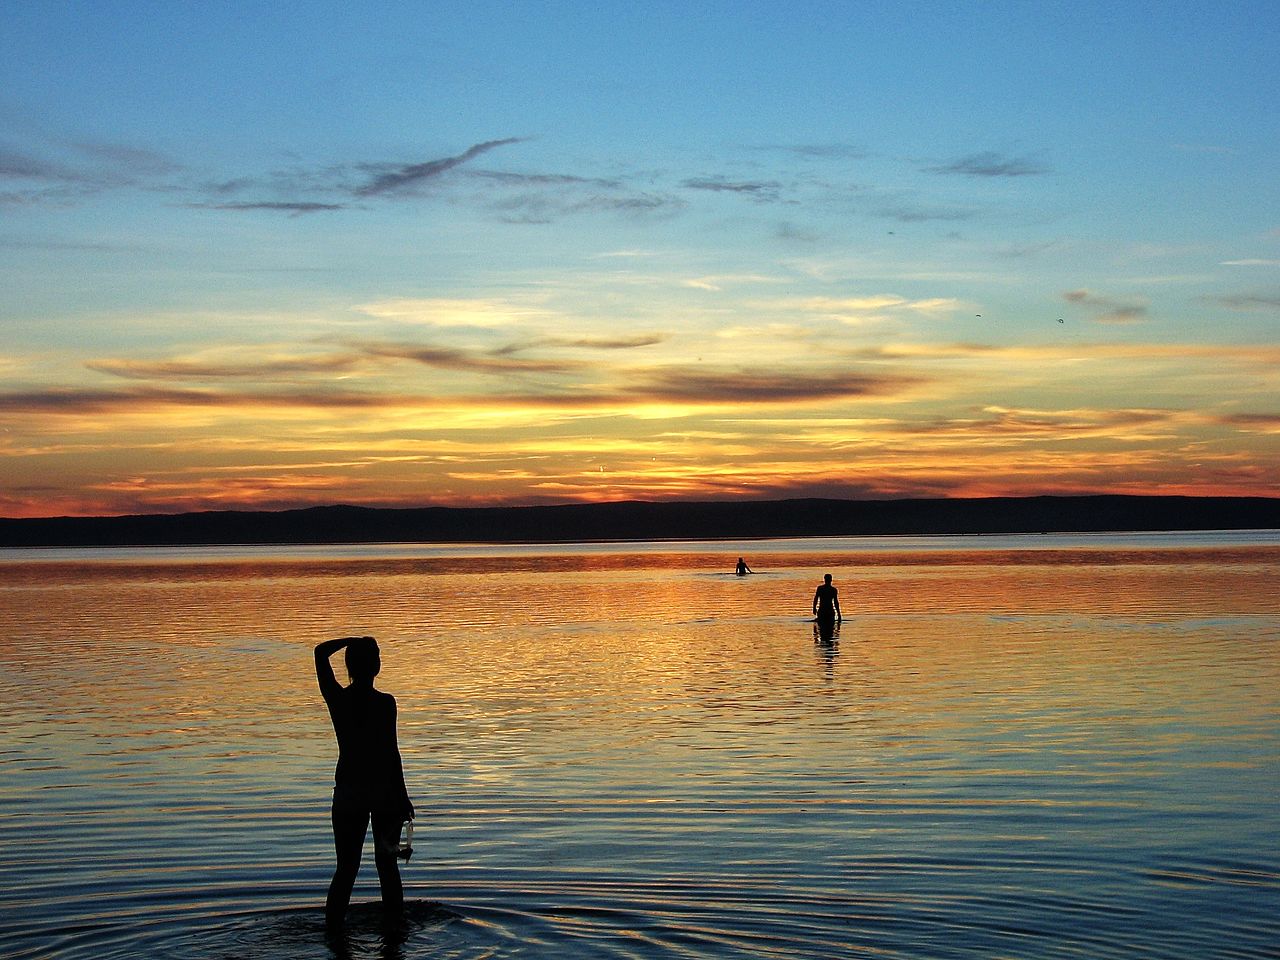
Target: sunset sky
x: 275, y: 255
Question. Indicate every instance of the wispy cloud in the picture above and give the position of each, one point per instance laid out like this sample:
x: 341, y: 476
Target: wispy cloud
x: 990, y: 164
x: 303, y: 190
x: 717, y: 282
x: 36, y: 181
x: 1251, y: 262
x: 626, y: 255
x: 1020, y: 250
x: 760, y: 190
x: 820, y: 151
x: 517, y: 197
x: 610, y: 343
x: 1250, y: 301
x: 296, y: 207
x: 415, y: 174
x: 695, y: 385
x: 543, y: 179
x: 1254, y: 422
x: 95, y: 162
x: 548, y: 206
x: 207, y: 369
x: 999, y: 424
x: 869, y: 308
x: 792, y: 232
x: 586, y: 343
x: 631, y: 390
x: 61, y: 172
x: 73, y: 401
x: 450, y: 358
x: 127, y: 158
x: 447, y: 312
x: 1107, y: 309
x: 17, y: 165
x: 910, y: 211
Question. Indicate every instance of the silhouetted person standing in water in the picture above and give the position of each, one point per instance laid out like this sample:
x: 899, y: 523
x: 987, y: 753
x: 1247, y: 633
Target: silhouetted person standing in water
x: 743, y: 569
x: 369, y: 781
x: 826, y: 603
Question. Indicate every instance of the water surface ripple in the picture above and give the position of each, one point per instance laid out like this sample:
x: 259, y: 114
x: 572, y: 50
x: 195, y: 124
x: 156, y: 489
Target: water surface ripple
x: 1017, y: 747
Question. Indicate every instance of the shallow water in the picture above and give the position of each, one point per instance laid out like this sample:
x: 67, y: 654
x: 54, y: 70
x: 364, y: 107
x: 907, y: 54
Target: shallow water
x: 1017, y: 747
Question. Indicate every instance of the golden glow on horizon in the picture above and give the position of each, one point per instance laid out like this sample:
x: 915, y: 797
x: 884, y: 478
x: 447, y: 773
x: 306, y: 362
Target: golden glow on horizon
x: 492, y: 415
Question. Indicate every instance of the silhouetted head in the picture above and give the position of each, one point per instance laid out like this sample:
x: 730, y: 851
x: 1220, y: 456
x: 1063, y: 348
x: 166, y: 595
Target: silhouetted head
x: 827, y: 579
x: 363, y: 660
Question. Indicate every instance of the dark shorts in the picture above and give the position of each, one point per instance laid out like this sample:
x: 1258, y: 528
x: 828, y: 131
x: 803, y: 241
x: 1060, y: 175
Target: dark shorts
x: 357, y: 798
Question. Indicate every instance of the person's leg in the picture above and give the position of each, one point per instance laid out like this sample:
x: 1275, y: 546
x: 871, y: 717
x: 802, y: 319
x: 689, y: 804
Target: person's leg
x: 386, y: 833
x: 349, y: 828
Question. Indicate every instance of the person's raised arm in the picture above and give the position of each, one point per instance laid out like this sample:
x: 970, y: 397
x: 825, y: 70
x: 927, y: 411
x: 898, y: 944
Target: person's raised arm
x: 324, y: 669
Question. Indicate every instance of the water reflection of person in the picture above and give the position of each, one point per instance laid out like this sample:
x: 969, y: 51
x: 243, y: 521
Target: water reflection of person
x: 826, y: 632
x: 826, y: 603
x: 826, y: 642
x: 742, y: 569
x: 369, y: 779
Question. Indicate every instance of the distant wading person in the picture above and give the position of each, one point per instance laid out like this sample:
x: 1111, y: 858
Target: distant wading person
x: 369, y: 780
x: 742, y: 569
x: 826, y: 602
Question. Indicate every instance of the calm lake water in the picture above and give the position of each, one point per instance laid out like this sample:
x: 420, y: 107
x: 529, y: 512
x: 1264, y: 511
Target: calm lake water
x: 1018, y: 747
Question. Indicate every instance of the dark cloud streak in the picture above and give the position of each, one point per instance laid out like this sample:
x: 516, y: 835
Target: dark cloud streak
x: 397, y: 180
x: 694, y: 385
x: 1269, y: 422
x: 678, y: 385
x: 1246, y: 301
x: 75, y: 402
x: 609, y: 343
x: 538, y: 208
x: 585, y: 343
x: 136, y: 160
x: 821, y: 151
x: 1014, y: 423
x: 20, y: 166
x: 1108, y: 310
x: 447, y: 358
x: 543, y: 179
x: 990, y: 165
x: 296, y: 208
x: 762, y: 190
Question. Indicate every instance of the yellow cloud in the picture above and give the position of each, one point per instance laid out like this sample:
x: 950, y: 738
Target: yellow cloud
x: 440, y: 312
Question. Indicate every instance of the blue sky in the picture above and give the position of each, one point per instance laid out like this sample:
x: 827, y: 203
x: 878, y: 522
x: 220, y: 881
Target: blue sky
x: 406, y: 253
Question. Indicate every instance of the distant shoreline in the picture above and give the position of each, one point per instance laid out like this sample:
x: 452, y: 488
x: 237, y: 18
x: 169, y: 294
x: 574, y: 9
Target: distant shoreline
x: 650, y: 521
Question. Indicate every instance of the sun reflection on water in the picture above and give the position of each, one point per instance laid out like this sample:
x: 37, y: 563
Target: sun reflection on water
x: 629, y: 740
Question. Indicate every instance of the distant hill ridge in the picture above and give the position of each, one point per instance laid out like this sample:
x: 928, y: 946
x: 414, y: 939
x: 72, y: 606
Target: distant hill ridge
x: 645, y: 520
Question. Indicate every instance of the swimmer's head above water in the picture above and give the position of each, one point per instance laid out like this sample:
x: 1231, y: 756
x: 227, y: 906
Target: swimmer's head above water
x: 363, y: 659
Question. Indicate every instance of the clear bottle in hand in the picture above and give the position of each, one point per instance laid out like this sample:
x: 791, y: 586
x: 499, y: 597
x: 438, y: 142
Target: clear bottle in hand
x: 404, y: 847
